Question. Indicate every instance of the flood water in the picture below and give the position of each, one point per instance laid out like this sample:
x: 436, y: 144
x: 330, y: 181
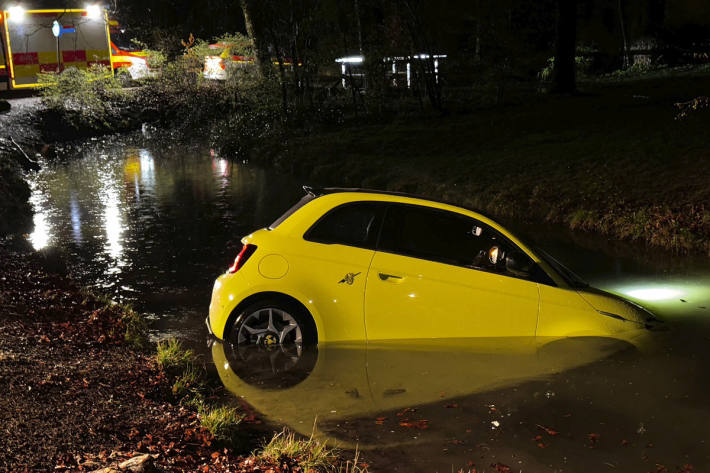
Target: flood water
x: 153, y: 223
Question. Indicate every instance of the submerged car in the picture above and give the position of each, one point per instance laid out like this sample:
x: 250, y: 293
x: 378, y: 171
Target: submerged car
x: 352, y: 265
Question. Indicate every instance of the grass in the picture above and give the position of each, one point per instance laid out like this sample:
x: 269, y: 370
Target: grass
x: 136, y: 329
x: 311, y: 454
x: 172, y: 356
x: 223, y: 422
x: 613, y: 160
x: 188, y: 382
x: 190, y: 386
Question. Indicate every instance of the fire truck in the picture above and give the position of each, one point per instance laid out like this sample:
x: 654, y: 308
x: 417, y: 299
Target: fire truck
x: 34, y: 41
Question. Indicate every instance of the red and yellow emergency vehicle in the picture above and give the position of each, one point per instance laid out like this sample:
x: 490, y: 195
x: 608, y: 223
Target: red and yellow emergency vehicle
x: 125, y: 56
x: 34, y: 41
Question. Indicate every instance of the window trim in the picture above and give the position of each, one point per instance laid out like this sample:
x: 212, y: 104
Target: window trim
x: 379, y: 220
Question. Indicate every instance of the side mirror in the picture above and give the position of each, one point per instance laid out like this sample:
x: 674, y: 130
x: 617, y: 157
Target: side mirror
x: 518, y: 264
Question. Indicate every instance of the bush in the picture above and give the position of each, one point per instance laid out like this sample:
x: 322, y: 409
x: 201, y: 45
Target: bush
x: 85, y: 98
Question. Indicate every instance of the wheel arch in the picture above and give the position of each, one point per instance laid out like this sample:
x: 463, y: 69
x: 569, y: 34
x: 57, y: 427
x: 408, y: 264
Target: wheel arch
x: 288, y: 299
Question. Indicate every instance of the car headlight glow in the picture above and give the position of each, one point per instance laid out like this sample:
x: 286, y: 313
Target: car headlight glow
x: 654, y: 293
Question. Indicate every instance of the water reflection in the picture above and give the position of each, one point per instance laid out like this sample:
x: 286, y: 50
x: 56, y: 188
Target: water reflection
x: 338, y: 382
x: 147, y: 169
x: 112, y: 218
x: 151, y: 223
x: 42, y: 233
x: 75, y: 217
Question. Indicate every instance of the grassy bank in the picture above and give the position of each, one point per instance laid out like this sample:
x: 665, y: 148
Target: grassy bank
x: 613, y: 160
x: 83, y: 390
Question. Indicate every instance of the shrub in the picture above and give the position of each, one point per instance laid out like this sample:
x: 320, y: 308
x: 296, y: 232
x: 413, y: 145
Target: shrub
x: 85, y: 98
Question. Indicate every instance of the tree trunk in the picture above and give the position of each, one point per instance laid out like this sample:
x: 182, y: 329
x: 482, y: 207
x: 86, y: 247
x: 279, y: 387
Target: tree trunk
x: 625, y: 63
x: 563, y: 77
x: 358, y: 25
x: 261, y: 59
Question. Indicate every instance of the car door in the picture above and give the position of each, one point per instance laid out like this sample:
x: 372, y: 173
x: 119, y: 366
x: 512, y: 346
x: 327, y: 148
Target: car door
x: 433, y: 276
x: 330, y: 265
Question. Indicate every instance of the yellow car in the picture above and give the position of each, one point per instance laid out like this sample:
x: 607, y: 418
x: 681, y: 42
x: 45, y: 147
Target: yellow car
x: 352, y: 265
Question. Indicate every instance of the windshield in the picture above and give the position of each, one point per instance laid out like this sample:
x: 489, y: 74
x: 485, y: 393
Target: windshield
x: 123, y: 40
x: 567, y: 274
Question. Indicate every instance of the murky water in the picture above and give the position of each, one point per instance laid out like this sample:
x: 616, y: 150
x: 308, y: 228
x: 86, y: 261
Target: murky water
x: 152, y: 223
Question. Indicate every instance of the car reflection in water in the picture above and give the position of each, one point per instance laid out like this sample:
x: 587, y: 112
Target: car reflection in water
x: 335, y: 382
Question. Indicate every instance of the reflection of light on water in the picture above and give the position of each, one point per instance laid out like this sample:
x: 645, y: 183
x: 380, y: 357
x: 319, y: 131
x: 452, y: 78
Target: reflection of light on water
x: 113, y: 221
x: 147, y: 168
x: 220, y: 167
x: 654, y: 293
x: 75, y: 217
x: 42, y: 232
x: 683, y: 296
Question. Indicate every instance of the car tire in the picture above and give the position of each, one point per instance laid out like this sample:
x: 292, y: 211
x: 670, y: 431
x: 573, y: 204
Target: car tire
x: 272, y: 321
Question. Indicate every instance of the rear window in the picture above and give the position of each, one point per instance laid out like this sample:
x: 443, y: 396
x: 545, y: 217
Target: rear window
x: 353, y: 224
x: 304, y: 200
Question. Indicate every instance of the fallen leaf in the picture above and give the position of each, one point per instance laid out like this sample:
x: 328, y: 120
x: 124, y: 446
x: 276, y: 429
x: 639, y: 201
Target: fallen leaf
x: 547, y: 430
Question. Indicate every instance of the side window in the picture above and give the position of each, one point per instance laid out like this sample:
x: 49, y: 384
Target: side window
x: 354, y: 224
x: 446, y: 237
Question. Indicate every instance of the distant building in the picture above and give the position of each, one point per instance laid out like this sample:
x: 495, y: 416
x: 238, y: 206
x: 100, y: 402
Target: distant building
x: 401, y: 70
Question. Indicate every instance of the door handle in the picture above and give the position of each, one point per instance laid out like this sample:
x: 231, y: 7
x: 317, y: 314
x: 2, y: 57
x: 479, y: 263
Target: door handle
x: 386, y: 277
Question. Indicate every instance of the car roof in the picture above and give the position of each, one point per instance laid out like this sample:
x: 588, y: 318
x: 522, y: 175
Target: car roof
x: 321, y: 191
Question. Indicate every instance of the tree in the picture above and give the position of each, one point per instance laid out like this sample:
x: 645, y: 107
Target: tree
x: 262, y: 57
x: 563, y: 75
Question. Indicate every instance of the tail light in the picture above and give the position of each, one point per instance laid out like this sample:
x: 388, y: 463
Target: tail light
x: 242, y: 257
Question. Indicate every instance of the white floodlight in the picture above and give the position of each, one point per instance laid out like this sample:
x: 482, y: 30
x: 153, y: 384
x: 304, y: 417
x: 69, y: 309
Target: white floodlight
x: 93, y: 12
x: 350, y: 60
x: 17, y: 13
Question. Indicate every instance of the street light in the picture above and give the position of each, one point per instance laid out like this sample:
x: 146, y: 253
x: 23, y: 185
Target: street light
x: 93, y: 12
x: 17, y: 13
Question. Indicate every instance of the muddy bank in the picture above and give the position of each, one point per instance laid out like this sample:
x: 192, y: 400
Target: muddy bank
x: 17, y: 133
x: 78, y: 396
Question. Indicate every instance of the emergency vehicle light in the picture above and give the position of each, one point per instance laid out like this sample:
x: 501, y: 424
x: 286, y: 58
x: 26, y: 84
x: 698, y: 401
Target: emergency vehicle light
x: 17, y: 13
x: 93, y: 12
